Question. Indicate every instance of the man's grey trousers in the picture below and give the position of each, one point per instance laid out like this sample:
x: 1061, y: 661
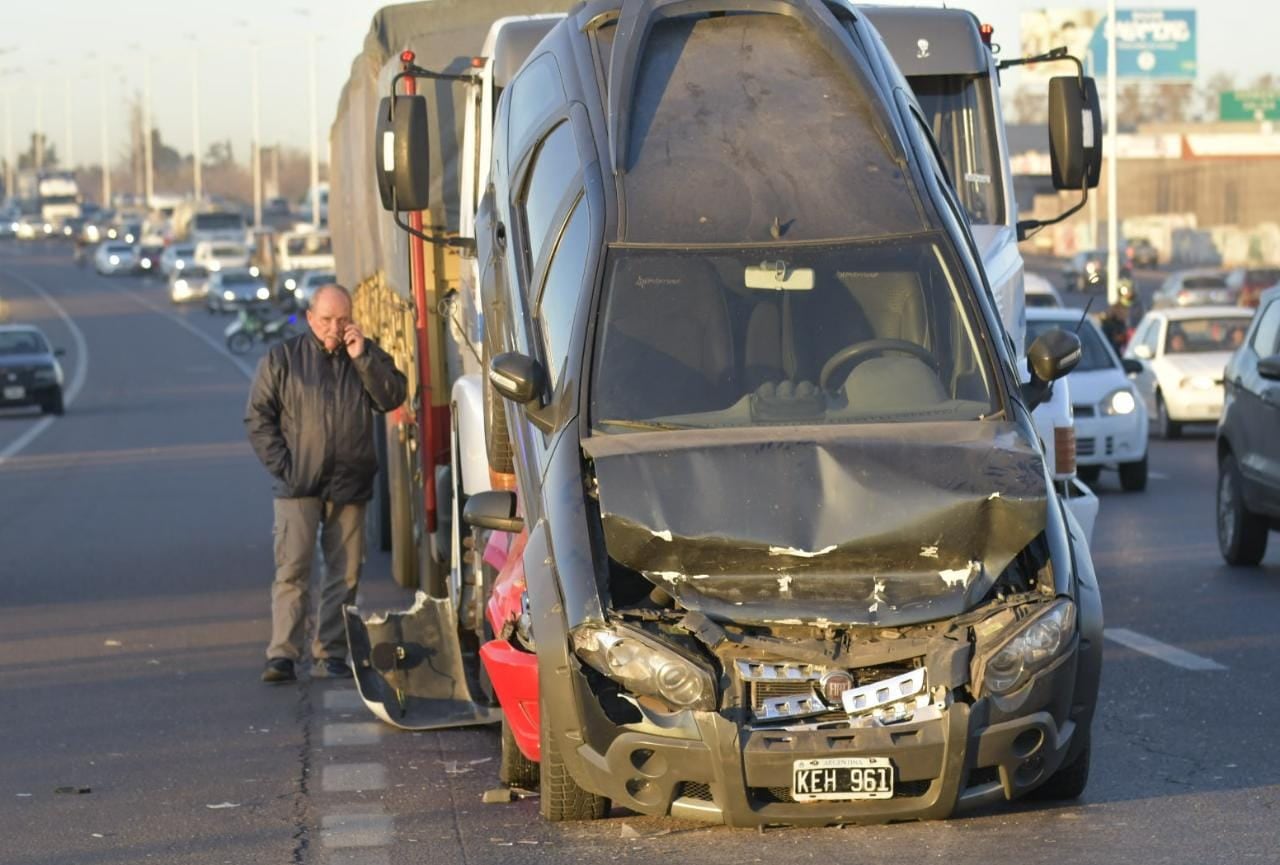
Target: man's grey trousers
x: 341, y: 529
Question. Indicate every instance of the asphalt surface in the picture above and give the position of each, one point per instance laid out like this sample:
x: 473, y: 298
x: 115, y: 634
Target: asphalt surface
x: 135, y: 562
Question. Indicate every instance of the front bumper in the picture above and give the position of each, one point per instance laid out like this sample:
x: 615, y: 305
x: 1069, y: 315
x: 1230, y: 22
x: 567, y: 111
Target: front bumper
x: 32, y: 394
x: 1191, y: 405
x: 1110, y: 440
x: 704, y: 766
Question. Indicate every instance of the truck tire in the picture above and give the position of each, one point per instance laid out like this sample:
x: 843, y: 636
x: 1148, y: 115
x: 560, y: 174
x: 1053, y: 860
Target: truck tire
x: 497, y: 439
x: 515, y: 770
x: 1242, y: 535
x: 560, y: 797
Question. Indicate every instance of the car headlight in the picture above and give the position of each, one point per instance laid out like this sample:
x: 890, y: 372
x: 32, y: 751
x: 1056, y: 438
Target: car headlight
x: 228, y: 295
x: 92, y: 233
x: 264, y: 293
x: 1119, y: 402
x: 15, y: 226
x: 1035, y: 644
x: 253, y: 271
x: 643, y: 665
x: 66, y: 230
x: 45, y: 374
x: 128, y: 238
x: 180, y: 285
x: 115, y: 259
x: 290, y: 284
x: 146, y: 264
x: 215, y: 266
x: 1197, y: 382
x: 179, y: 264
x: 112, y: 233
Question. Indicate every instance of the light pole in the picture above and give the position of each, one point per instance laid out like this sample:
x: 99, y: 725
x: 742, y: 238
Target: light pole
x: 66, y: 119
x: 257, y: 146
x: 106, y: 151
x: 1113, y: 210
x: 8, y: 132
x: 195, y: 116
x: 146, y: 133
x: 39, y: 145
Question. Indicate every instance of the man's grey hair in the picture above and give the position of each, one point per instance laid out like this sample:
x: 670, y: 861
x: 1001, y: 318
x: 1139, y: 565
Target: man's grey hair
x: 333, y: 286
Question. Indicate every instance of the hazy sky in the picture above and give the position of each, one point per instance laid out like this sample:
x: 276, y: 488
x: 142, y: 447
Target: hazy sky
x: 59, y: 40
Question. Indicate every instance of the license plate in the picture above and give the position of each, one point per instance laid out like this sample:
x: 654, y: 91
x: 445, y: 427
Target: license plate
x: 842, y: 779
x: 15, y: 392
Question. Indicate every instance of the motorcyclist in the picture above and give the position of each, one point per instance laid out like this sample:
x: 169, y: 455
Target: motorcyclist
x: 1121, y: 317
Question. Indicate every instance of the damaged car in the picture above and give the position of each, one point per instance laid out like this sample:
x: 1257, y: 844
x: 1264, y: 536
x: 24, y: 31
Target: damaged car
x: 783, y: 546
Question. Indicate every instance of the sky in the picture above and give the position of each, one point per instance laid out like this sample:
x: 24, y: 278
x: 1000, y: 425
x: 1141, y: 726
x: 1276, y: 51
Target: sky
x: 46, y: 44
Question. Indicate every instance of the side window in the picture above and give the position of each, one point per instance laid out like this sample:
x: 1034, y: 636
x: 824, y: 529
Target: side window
x: 561, y: 289
x: 1264, y: 338
x: 1152, y: 340
x: 553, y: 175
x: 533, y: 94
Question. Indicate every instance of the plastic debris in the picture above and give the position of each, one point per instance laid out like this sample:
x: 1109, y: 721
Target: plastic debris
x: 222, y: 806
x: 629, y: 831
x: 24, y: 795
x: 499, y: 796
x: 451, y: 767
x: 73, y: 791
x: 478, y: 762
x: 112, y: 643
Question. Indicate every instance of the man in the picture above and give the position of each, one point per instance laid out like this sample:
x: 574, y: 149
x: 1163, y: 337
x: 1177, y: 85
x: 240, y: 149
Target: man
x: 1120, y: 317
x: 310, y: 422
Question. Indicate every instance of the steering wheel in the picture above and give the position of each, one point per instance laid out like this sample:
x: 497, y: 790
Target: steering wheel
x: 860, y: 351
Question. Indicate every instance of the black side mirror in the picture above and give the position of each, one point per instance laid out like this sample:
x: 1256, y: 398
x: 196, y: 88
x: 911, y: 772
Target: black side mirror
x: 493, y: 509
x: 401, y: 149
x: 1075, y: 132
x: 59, y: 352
x: 1054, y: 354
x: 517, y: 377
x: 1269, y: 367
x: 1131, y: 366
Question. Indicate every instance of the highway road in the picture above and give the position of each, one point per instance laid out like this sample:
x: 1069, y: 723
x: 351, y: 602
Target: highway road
x: 135, y: 562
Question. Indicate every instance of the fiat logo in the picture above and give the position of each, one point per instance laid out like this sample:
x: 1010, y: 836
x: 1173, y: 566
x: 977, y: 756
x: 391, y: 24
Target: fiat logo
x: 833, y: 684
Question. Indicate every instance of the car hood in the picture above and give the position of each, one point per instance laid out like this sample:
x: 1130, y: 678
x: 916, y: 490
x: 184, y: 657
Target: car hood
x: 1210, y: 363
x: 1093, y: 385
x: 886, y: 524
x: 23, y: 361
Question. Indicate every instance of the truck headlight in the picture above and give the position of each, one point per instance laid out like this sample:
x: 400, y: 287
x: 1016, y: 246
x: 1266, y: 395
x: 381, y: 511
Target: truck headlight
x: 1119, y: 402
x: 1197, y: 382
x: 643, y: 665
x: 1037, y: 642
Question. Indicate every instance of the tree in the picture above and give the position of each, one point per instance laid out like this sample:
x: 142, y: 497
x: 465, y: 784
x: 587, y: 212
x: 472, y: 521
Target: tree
x: 220, y: 154
x: 164, y: 159
x: 27, y: 159
x: 1029, y: 104
x: 1210, y: 94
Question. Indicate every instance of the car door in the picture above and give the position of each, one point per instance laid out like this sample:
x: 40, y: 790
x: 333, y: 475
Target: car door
x: 1259, y: 413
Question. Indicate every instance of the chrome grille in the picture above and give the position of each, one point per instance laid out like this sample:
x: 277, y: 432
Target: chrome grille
x: 1086, y: 447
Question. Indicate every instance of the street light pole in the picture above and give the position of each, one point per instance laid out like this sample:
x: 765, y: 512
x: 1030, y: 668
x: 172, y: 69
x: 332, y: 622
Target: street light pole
x: 106, y: 150
x: 146, y: 134
x: 66, y: 117
x: 8, y: 142
x: 39, y: 145
x: 315, y: 152
x: 195, y: 120
x: 257, y: 147
x: 1113, y: 210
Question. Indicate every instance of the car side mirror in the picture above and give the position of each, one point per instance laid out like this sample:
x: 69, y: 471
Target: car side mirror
x: 1075, y: 132
x: 493, y: 509
x: 517, y: 377
x: 1131, y: 366
x: 401, y: 149
x: 1054, y: 354
x: 59, y: 352
x: 1269, y: 367
x: 1143, y: 351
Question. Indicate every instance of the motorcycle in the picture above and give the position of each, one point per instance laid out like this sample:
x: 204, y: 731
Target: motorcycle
x: 251, y: 327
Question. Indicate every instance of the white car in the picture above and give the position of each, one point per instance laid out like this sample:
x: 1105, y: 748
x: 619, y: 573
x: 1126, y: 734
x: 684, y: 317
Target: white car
x: 1183, y: 352
x: 308, y: 283
x: 1040, y: 291
x: 1110, y: 418
x: 177, y: 256
x: 219, y: 255
x: 190, y: 283
x: 115, y: 257
x: 231, y: 289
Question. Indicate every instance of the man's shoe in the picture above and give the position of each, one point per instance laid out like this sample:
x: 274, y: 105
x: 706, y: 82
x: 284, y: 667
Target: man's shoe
x: 279, y: 670
x: 332, y: 668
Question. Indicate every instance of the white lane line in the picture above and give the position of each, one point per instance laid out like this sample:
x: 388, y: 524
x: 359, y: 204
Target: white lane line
x: 192, y: 329
x: 346, y: 700
x: 366, y: 827
x: 1158, y: 476
x: 1161, y: 651
x: 77, y: 378
x: 362, y: 733
x: 348, y: 777
x: 356, y: 856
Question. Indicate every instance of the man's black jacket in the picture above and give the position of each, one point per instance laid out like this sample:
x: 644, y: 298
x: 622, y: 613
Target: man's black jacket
x: 310, y: 417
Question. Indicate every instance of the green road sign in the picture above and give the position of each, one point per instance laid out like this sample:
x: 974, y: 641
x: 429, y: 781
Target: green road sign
x: 1249, y: 105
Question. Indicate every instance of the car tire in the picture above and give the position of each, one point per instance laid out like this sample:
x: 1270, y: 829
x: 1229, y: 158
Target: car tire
x: 1133, y: 476
x: 240, y: 342
x: 1166, y: 427
x: 1242, y: 535
x: 515, y: 770
x: 53, y: 404
x: 1089, y: 474
x: 560, y: 797
x: 1071, y: 779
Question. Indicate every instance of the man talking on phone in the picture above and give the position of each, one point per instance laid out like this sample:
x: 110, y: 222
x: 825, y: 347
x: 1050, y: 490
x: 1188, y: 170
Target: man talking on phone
x: 310, y: 421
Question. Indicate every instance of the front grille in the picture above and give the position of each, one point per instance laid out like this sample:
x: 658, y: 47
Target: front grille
x: 1086, y: 447
x: 1083, y: 410
x: 696, y: 790
x: 769, y: 680
x: 984, y: 775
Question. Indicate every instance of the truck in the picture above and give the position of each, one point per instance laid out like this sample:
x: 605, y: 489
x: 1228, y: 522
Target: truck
x: 52, y: 195
x: 547, y: 550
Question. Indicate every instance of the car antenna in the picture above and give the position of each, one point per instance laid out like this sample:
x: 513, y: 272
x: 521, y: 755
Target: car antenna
x: 1083, y: 316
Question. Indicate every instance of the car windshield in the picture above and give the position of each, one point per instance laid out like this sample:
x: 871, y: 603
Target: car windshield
x: 193, y: 273
x: 1038, y: 299
x: 797, y: 334
x: 120, y: 249
x: 1097, y: 354
x: 959, y: 111
x: 1204, y: 282
x: 1200, y: 335
x: 239, y: 279
x: 226, y: 251
x: 183, y: 251
x: 22, y: 342
x: 321, y: 278
x: 218, y: 221
x: 1263, y: 277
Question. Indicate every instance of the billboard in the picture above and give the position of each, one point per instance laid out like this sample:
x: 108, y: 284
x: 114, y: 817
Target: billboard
x: 1150, y: 43
x: 1246, y: 105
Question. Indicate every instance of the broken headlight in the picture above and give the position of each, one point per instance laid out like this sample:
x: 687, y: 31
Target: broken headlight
x: 1037, y: 641
x: 643, y: 665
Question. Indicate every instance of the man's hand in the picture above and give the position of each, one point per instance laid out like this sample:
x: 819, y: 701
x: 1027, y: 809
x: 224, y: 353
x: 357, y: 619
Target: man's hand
x: 354, y: 341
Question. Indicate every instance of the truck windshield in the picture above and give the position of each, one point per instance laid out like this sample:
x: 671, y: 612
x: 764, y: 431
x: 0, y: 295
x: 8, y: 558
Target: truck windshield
x: 864, y: 332
x: 959, y: 111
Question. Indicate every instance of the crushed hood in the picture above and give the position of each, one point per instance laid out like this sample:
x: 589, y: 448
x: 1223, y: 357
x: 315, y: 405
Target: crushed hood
x: 890, y: 524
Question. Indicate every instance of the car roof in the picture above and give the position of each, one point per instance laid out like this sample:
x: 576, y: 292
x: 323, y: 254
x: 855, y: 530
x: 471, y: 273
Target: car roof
x: 1183, y: 313
x: 20, y: 328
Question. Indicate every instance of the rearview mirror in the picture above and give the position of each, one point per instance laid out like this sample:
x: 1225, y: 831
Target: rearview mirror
x: 1075, y: 132
x: 1054, y: 354
x: 776, y: 276
x: 517, y: 377
x: 401, y: 149
x: 1269, y: 367
x: 493, y: 509
x: 1131, y: 366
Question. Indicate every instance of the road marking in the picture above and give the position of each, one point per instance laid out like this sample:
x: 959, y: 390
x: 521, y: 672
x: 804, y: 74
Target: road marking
x: 362, y: 828
x: 77, y: 379
x: 1158, y: 476
x: 344, y: 700
x: 362, y: 733
x: 1160, y: 651
x: 347, y: 777
x: 356, y: 856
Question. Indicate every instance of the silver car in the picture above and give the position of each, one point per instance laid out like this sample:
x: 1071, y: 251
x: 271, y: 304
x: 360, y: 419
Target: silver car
x: 1194, y: 288
x: 236, y: 288
x: 188, y: 284
x: 114, y: 257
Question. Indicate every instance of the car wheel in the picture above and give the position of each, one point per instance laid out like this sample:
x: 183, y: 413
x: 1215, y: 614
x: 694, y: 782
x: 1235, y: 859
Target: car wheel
x: 1089, y: 474
x: 560, y: 797
x: 515, y: 770
x: 1133, y: 476
x: 1242, y: 536
x: 1166, y: 427
x: 53, y: 404
x: 1070, y: 780
x: 240, y: 342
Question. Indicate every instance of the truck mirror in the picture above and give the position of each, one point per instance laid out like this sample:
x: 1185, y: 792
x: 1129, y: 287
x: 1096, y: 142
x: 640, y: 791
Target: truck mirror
x: 401, y: 149
x: 493, y: 509
x: 1075, y: 132
x: 1053, y: 354
x: 517, y: 377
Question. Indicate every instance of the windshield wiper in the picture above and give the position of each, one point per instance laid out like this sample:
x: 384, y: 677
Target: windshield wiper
x: 642, y: 424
